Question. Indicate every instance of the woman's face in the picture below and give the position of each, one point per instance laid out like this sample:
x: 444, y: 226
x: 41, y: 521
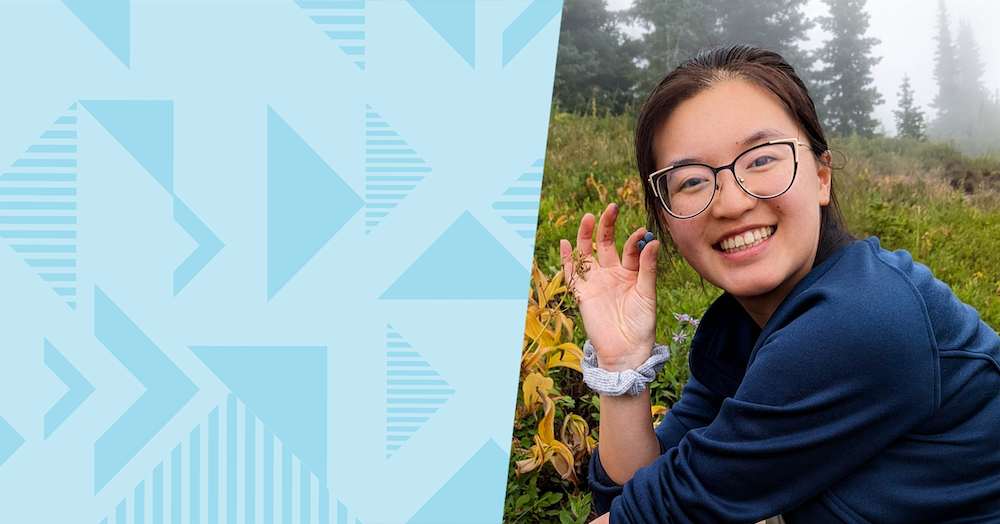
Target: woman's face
x: 713, y: 128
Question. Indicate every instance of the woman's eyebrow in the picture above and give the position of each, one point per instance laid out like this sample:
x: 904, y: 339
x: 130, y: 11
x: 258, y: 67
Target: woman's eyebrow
x: 763, y: 134
x: 751, y: 140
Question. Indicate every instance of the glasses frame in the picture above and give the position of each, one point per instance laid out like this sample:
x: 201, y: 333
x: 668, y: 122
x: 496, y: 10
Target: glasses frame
x: 795, y: 143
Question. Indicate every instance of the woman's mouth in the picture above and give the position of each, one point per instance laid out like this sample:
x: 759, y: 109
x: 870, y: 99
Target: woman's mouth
x: 745, y: 240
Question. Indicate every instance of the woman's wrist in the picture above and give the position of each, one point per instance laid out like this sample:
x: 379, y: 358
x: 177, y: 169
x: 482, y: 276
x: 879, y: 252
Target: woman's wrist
x: 631, y: 378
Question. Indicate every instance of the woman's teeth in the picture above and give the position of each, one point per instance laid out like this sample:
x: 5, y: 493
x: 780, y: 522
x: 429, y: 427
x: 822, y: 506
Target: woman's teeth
x: 746, y: 240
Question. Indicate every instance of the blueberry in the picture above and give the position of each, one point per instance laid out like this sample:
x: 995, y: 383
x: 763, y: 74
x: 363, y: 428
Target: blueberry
x: 648, y: 237
x: 641, y: 244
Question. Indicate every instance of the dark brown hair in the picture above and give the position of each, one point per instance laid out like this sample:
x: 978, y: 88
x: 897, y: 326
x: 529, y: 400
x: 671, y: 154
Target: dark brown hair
x: 762, y: 68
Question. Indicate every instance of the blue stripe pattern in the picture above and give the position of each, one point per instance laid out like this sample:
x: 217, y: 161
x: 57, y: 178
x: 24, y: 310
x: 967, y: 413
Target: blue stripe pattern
x: 519, y: 203
x: 39, y: 196
x: 380, y: 188
x: 422, y: 395
x: 176, y: 481
x: 343, y: 22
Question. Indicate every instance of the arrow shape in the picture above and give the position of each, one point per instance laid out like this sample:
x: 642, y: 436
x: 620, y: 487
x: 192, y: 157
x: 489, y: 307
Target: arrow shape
x: 209, y: 245
x: 168, y: 389
x: 79, y: 388
x: 10, y: 440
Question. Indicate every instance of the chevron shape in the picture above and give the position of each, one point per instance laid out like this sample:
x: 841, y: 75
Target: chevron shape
x: 392, y: 169
x: 343, y: 22
x: 38, y: 206
x: 414, y: 391
x: 209, y: 245
x: 519, y: 203
x: 79, y: 388
x: 168, y: 389
x: 527, y: 25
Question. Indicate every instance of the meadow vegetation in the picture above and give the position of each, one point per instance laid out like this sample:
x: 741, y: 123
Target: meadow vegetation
x: 925, y: 197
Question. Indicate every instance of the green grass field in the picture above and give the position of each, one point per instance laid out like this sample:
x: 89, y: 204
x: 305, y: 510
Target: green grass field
x: 926, y: 198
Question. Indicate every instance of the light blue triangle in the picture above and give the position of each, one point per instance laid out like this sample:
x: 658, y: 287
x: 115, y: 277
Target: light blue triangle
x: 285, y: 387
x: 73, y: 107
x: 538, y: 163
x: 307, y: 203
x: 473, y: 495
x: 10, y: 440
x: 465, y: 252
x: 527, y: 25
x: 454, y: 20
x: 79, y: 388
x: 145, y: 128
x: 108, y: 20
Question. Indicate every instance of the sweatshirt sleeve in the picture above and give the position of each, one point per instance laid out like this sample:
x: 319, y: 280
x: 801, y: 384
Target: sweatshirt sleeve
x: 821, y: 396
x: 696, y: 408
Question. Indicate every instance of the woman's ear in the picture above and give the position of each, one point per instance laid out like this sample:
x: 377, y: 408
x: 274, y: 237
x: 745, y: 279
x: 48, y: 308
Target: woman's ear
x: 825, y: 174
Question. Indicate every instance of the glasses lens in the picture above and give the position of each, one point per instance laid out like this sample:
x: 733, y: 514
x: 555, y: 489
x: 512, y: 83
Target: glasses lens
x: 767, y: 171
x: 686, y: 190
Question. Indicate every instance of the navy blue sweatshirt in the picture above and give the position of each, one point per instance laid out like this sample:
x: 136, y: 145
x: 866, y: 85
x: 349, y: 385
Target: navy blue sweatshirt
x: 872, y: 395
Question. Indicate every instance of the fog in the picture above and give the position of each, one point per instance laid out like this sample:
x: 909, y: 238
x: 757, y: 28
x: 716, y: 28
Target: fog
x: 907, y: 29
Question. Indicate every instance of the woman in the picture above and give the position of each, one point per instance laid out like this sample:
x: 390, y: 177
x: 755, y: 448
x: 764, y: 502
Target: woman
x: 833, y: 381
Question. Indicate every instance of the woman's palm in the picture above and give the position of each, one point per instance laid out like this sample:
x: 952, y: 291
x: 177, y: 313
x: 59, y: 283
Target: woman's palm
x: 617, y: 297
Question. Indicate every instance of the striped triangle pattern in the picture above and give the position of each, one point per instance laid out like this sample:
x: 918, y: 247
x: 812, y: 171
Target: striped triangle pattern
x: 392, y: 169
x: 414, y: 391
x: 38, y: 206
x: 519, y: 203
x: 223, y: 450
x: 343, y: 22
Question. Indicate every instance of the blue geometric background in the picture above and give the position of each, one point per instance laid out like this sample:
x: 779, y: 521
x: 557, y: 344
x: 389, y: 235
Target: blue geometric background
x: 265, y: 261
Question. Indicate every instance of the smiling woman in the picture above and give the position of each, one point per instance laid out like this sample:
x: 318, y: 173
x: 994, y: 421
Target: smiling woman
x: 833, y: 381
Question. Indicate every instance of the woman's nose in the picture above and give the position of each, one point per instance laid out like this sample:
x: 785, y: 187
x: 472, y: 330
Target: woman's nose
x: 730, y: 200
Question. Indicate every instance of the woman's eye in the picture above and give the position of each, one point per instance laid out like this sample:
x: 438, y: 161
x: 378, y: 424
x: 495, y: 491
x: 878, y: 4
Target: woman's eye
x: 761, y: 162
x: 692, y: 182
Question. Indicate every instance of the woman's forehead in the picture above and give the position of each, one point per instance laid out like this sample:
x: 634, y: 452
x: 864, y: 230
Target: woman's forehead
x: 721, y: 121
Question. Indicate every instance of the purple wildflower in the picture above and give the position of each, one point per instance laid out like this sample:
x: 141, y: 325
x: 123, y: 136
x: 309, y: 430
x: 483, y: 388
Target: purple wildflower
x: 695, y: 322
x: 679, y: 336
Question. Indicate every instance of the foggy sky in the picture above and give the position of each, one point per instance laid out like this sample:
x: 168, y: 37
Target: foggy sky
x: 906, y: 29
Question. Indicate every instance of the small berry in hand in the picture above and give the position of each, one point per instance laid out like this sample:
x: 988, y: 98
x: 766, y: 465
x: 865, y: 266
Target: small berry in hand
x: 641, y: 244
x: 648, y: 237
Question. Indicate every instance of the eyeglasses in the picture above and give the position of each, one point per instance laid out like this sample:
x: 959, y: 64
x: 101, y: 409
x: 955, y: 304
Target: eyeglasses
x: 763, y: 171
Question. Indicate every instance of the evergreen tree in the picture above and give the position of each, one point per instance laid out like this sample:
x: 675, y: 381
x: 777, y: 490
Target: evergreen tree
x: 846, y: 77
x: 909, y: 119
x: 679, y: 29
x: 946, y: 74
x: 676, y: 30
x: 595, y: 65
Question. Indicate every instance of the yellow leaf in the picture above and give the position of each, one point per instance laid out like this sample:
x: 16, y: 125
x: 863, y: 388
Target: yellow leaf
x: 555, y: 285
x: 561, y: 221
x: 562, y: 459
x: 566, y: 357
x: 658, y: 413
x: 546, y: 429
x: 537, y: 458
x: 532, y: 383
x: 574, y: 434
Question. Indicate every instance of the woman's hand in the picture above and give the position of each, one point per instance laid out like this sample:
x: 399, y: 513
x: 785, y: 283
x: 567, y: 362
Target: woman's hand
x: 617, y: 297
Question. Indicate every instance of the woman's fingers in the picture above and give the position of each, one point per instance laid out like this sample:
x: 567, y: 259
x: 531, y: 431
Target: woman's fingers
x: 566, y: 255
x: 646, y: 283
x: 585, y: 236
x: 607, y: 252
x: 630, y: 253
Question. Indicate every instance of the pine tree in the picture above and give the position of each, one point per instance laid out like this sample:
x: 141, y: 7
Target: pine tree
x: 946, y: 74
x: 850, y: 98
x: 595, y: 62
x: 909, y: 119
